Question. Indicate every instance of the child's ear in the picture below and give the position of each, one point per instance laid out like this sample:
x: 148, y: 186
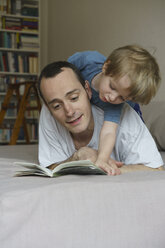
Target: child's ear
x: 106, y: 65
x: 88, y: 89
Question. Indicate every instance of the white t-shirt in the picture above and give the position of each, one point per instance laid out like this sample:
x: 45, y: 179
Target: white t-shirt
x: 134, y: 143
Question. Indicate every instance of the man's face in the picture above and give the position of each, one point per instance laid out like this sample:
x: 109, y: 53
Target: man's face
x: 68, y: 101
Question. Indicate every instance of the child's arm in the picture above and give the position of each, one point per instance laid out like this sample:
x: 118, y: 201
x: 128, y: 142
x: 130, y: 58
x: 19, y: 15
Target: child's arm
x: 106, y: 144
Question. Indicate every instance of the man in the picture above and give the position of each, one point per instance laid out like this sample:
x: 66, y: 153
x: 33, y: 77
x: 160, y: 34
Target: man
x: 69, y: 127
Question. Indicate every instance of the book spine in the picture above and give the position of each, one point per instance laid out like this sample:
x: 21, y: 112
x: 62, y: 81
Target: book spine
x: 18, y: 7
x: 1, y: 61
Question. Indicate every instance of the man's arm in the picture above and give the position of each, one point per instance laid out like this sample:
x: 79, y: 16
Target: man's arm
x: 87, y: 153
x: 91, y: 154
x: 84, y: 153
x: 72, y: 158
x: 134, y: 143
x: 139, y: 167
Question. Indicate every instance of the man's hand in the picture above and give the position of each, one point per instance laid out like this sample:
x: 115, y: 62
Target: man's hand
x: 117, y: 163
x: 85, y: 153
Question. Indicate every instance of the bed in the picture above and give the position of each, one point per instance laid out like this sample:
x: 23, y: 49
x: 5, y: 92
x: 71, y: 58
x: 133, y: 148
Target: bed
x: 79, y: 211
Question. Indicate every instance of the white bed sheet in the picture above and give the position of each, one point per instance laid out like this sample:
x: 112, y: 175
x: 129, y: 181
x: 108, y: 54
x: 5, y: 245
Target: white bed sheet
x: 79, y: 211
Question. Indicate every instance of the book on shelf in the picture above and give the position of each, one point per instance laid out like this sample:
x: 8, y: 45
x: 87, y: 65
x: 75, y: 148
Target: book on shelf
x: 33, y: 130
x: 3, y: 6
x: 20, y: 64
x: 5, y: 135
x: 15, y: 62
x: 11, y: 23
x: 29, y: 24
x: 20, y: 24
x: 19, y: 7
x: 12, y: 79
x: 32, y: 111
x: 1, y: 62
x: 33, y: 64
x: 18, y: 41
x: 3, y: 85
x: 11, y: 111
x: 5, y: 62
x: 29, y: 38
x: 81, y: 167
x: 29, y: 8
x: 11, y: 62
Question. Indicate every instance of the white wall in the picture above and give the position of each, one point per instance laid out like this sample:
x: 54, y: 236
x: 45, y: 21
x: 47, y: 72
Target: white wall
x: 76, y: 25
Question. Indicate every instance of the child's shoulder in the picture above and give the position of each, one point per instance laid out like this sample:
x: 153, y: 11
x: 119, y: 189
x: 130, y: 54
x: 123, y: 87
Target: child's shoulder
x: 88, y: 56
x: 94, y: 56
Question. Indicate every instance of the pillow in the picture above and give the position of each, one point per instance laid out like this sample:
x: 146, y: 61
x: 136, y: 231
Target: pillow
x: 154, y: 117
x: 157, y: 130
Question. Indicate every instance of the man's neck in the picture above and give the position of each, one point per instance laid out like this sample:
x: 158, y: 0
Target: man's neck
x: 83, y: 139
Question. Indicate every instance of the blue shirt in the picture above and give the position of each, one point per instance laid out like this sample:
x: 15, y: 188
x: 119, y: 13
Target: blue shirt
x: 90, y: 63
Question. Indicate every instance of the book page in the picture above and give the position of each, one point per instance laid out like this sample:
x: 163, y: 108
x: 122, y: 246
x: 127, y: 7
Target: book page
x: 33, y: 168
x: 73, y: 163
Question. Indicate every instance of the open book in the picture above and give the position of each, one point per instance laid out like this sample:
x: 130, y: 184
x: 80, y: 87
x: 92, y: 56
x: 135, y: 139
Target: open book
x: 81, y: 167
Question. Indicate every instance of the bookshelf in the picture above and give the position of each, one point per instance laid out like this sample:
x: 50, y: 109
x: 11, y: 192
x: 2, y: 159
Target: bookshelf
x: 19, y: 59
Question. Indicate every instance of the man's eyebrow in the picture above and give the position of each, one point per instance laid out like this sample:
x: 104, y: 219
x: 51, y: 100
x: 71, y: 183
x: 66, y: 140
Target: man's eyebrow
x: 72, y: 91
x: 67, y: 94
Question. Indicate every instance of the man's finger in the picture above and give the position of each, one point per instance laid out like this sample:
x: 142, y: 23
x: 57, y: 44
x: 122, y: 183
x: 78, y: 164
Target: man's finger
x: 117, y: 163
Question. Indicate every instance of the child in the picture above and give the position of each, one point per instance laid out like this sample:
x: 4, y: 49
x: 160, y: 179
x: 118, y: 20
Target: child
x: 129, y: 74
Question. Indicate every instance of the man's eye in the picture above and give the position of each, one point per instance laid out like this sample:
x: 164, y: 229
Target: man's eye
x: 55, y: 107
x: 74, y: 98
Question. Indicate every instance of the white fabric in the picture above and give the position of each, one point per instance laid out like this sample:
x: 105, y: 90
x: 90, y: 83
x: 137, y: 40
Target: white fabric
x: 134, y: 143
x: 154, y: 116
x: 79, y: 211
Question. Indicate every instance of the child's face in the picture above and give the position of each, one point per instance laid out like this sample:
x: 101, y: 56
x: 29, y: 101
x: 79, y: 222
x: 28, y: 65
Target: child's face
x: 114, y: 90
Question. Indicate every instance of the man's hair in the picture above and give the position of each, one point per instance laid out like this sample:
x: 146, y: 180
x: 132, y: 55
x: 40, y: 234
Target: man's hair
x: 53, y: 69
x: 140, y: 66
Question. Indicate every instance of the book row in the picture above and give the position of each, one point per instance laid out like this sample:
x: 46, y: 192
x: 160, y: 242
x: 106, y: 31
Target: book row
x: 15, y: 62
x: 20, y: 24
x: 29, y: 114
x: 5, y: 134
x: 18, y: 41
x: 5, y: 80
x: 19, y: 7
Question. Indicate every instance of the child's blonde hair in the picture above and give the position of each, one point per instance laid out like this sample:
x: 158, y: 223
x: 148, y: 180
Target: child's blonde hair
x: 140, y: 66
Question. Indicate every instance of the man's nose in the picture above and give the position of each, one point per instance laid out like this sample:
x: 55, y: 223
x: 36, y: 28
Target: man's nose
x: 68, y: 109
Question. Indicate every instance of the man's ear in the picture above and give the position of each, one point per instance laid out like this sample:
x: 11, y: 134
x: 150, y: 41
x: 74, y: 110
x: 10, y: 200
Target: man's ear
x: 106, y: 65
x: 88, y: 89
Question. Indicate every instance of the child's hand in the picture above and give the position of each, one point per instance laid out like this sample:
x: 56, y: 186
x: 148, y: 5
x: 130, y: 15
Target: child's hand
x: 110, y: 167
x: 118, y: 164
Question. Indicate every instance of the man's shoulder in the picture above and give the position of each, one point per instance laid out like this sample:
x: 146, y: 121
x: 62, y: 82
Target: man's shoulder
x: 97, y: 111
x: 130, y: 120
x: 45, y: 112
x: 98, y: 115
x: 47, y: 121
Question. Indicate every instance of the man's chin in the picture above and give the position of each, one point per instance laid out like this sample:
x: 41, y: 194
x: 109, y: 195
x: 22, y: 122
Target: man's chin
x: 77, y: 130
